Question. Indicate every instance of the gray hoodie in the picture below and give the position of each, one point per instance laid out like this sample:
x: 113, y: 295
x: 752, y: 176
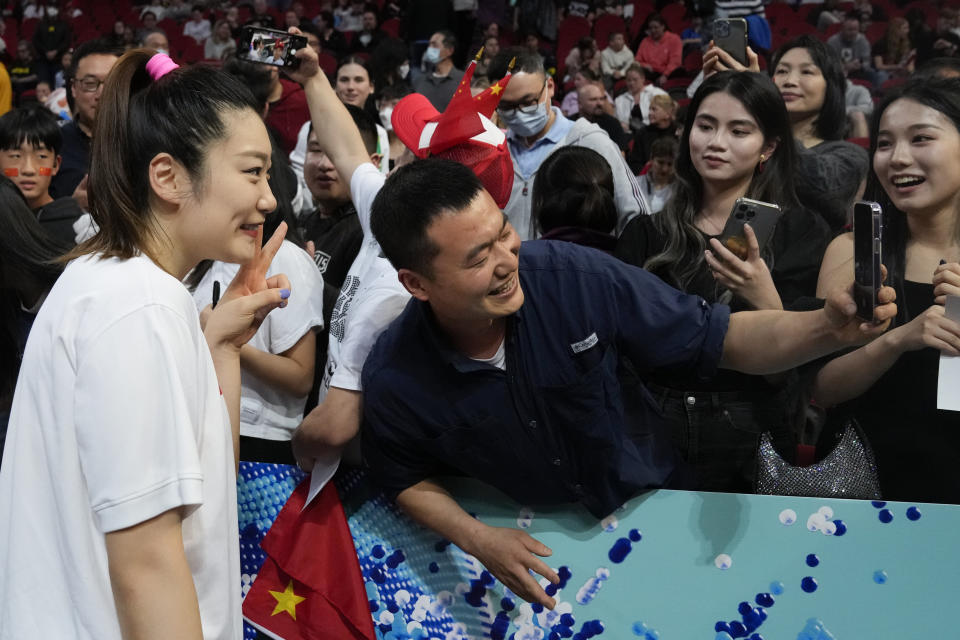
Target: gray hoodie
x: 627, y: 195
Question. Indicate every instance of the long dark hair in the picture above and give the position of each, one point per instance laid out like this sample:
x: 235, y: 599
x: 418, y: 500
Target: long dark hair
x: 682, y: 256
x: 943, y: 95
x: 832, y: 119
x: 182, y: 113
x: 28, y: 256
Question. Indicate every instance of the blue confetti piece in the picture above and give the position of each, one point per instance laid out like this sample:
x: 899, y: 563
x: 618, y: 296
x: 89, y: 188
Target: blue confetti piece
x: 913, y: 514
x: 841, y: 528
x: 639, y: 629
x: 808, y: 584
x: 567, y: 620
x: 507, y: 604
x: 880, y: 576
x: 764, y: 600
x: 722, y: 625
x: 619, y: 550
x: 434, y: 567
x: 776, y: 588
x: 878, y: 504
x: 744, y: 608
x: 812, y: 560
x: 378, y: 552
x: 886, y: 516
x: 635, y: 535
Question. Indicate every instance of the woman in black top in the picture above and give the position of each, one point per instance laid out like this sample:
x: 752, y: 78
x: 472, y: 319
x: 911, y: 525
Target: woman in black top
x: 736, y: 143
x: 890, y: 385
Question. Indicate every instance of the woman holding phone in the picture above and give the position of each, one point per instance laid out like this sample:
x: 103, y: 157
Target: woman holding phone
x: 118, y: 514
x: 809, y: 74
x: 736, y: 143
x: 890, y: 385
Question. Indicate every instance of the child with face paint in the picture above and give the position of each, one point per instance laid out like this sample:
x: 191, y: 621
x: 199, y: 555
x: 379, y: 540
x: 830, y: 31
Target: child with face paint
x: 30, y: 143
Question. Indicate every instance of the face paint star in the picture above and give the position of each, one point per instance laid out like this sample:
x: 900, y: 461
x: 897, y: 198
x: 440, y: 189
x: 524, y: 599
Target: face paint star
x: 496, y: 89
x: 287, y: 601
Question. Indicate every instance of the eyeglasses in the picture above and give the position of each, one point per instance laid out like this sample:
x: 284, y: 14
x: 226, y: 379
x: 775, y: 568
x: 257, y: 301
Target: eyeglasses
x: 529, y: 106
x: 89, y: 84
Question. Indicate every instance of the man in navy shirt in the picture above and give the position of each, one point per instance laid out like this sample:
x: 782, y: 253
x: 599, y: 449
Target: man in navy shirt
x: 504, y: 365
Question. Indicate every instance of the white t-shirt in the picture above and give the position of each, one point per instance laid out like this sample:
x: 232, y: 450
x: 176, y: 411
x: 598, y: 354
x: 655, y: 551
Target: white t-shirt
x: 370, y: 298
x: 117, y: 418
x: 625, y: 102
x: 267, y: 412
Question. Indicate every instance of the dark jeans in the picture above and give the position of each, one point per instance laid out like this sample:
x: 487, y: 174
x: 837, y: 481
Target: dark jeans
x: 717, y: 433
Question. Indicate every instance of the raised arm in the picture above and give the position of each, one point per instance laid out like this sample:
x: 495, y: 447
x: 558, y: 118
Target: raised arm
x: 507, y: 553
x: 336, y: 132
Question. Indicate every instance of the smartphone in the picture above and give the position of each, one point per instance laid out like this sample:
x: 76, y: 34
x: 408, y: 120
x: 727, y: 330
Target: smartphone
x: 730, y: 34
x: 270, y: 46
x: 762, y: 217
x: 867, y: 254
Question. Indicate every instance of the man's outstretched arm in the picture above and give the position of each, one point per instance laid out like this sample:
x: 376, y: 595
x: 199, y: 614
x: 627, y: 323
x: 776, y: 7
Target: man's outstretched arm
x: 507, y: 553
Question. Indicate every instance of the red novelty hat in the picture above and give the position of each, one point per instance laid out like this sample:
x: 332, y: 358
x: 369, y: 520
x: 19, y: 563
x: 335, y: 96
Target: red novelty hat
x: 463, y: 133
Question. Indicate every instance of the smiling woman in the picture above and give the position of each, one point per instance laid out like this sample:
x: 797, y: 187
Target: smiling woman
x: 830, y: 171
x: 890, y: 386
x: 736, y: 143
x: 125, y: 403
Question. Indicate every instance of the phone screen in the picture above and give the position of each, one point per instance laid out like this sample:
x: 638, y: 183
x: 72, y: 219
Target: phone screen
x: 267, y: 46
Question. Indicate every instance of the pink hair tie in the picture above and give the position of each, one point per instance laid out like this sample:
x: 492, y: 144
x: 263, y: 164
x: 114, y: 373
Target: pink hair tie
x: 160, y: 65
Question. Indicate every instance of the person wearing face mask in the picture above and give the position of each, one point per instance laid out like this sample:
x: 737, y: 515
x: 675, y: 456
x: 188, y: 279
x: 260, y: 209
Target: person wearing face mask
x: 536, y: 129
x: 386, y: 101
x: 438, y: 86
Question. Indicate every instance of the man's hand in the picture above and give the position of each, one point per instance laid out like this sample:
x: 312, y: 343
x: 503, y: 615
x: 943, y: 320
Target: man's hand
x: 841, y: 312
x: 309, y: 63
x: 510, y: 554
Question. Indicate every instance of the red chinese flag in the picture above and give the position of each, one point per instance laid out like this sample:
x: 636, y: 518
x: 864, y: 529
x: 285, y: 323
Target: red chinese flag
x: 310, y: 585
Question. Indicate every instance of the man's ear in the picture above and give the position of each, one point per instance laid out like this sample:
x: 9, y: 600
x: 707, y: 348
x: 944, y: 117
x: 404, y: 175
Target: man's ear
x: 56, y: 165
x: 416, y: 284
x: 168, y: 179
x: 376, y: 159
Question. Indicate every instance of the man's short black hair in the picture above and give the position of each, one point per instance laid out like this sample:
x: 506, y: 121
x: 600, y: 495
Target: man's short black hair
x: 410, y: 200
x: 34, y: 125
x: 256, y: 77
x: 308, y: 27
x: 449, y: 39
x: 527, y: 61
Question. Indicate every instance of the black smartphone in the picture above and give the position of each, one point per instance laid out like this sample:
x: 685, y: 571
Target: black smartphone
x: 730, y: 34
x: 762, y: 218
x: 270, y: 46
x: 867, y: 255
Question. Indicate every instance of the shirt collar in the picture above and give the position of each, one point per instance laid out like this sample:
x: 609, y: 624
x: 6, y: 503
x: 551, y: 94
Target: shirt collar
x: 438, y: 340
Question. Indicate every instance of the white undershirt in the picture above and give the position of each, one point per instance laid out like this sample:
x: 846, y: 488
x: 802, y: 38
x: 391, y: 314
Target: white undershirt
x: 499, y: 359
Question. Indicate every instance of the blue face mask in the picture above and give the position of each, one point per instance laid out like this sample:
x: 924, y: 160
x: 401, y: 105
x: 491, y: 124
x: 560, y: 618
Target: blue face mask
x: 527, y: 124
x: 431, y: 55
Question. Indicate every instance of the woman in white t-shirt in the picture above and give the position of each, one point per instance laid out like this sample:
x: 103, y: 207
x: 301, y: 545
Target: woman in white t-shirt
x: 118, y: 484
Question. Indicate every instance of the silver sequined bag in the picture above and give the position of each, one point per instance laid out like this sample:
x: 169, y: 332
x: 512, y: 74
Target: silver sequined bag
x: 849, y: 471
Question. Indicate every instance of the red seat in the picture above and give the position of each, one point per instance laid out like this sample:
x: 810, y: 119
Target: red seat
x: 693, y: 62
x: 641, y: 11
x: 27, y: 28
x: 328, y: 63
x: 876, y: 31
x: 190, y: 50
x: 779, y: 12
x: 568, y: 33
x: 675, y: 15
x: 391, y: 27
x: 605, y: 25
x: 676, y: 83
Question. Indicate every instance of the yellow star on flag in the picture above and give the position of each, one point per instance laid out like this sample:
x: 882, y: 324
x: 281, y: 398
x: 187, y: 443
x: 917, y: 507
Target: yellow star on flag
x: 496, y: 89
x: 287, y: 601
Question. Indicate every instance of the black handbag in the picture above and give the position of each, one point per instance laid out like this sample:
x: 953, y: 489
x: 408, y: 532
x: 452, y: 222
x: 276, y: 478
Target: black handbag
x: 848, y: 471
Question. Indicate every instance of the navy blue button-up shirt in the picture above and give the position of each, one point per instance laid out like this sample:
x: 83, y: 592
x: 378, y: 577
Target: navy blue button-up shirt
x: 553, y: 427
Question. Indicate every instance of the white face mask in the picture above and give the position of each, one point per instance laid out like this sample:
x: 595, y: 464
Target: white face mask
x: 431, y: 55
x: 404, y: 70
x: 528, y: 124
x: 386, y: 117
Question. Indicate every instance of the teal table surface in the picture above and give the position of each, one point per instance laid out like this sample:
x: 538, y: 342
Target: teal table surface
x: 669, y: 565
